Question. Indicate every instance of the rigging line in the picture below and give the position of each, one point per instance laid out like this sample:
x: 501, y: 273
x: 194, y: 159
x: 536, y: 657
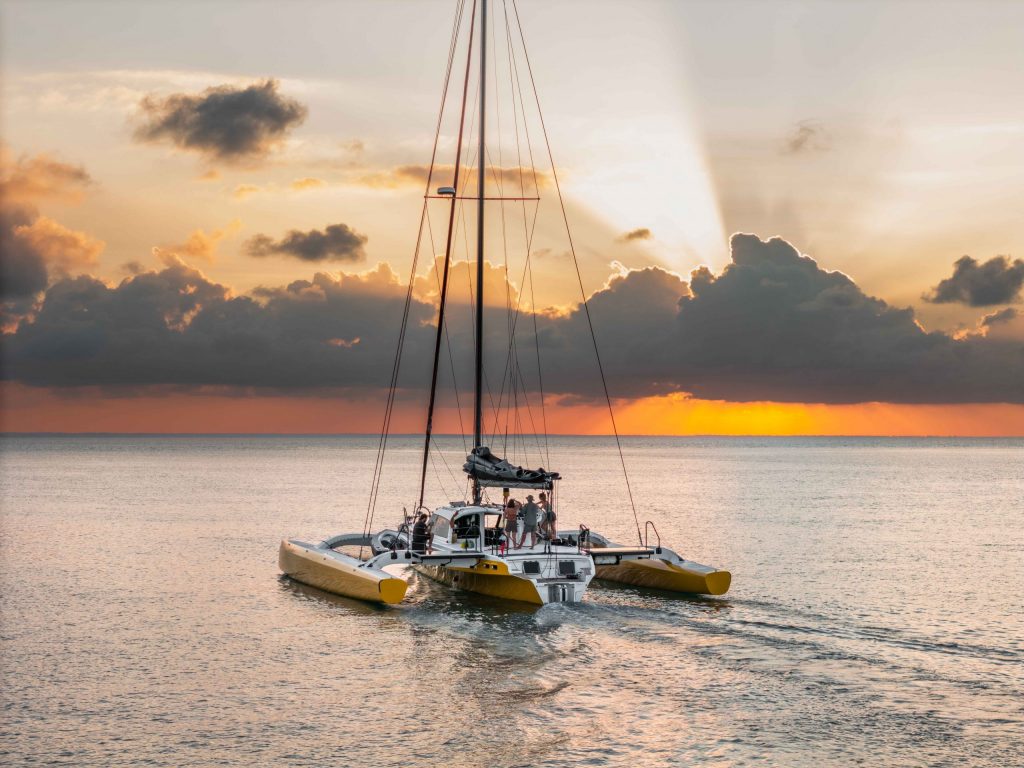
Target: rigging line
x: 529, y: 245
x: 522, y: 101
x: 529, y: 412
x: 515, y: 319
x: 389, y: 408
x: 440, y: 481
x: 504, y: 239
x: 447, y: 261
x: 579, y: 276
x: 469, y: 279
x: 513, y: 81
x: 440, y: 453
x: 448, y: 342
x: 540, y: 374
x: 546, y: 453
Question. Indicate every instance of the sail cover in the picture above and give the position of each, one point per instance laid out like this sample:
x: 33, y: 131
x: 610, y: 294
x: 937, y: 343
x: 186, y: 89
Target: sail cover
x: 489, y: 470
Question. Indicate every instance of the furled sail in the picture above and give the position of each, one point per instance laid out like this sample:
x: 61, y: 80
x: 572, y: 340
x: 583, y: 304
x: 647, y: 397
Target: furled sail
x: 489, y: 470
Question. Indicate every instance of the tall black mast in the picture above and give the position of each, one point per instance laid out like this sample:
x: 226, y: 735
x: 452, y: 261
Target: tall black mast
x: 447, y: 265
x: 481, y: 166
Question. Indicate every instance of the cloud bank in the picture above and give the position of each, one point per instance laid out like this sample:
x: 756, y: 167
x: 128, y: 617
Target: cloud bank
x: 222, y: 123
x: 773, y: 325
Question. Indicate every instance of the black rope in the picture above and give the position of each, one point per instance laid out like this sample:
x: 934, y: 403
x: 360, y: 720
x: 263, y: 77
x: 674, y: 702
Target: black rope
x: 396, y: 366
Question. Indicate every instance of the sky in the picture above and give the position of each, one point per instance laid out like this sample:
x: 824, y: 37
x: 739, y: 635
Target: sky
x: 788, y: 217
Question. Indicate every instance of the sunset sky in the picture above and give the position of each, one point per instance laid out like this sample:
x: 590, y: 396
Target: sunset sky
x: 210, y: 212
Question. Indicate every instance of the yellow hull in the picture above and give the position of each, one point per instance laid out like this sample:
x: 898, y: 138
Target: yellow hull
x: 657, y: 574
x: 327, y: 572
x: 489, y: 581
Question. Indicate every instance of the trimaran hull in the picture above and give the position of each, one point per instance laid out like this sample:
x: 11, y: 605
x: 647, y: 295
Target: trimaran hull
x: 688, y: 578
x: 325, y: 568
x: 503, y: 586
x: 338, y: 573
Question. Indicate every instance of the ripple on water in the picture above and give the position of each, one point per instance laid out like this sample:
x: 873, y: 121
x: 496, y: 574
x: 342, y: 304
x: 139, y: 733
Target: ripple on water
x: 162, y: 635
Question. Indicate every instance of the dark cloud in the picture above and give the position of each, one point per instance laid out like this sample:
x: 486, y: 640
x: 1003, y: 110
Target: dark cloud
x: 1002, y: 316
x: 997, y: 281
x: 223, y: 123
x: 643, y: 233
x: 336, y: 242
x: 807, y: 135
x: 773, y: 325
x: 176, y: 327
x: 23, y: 271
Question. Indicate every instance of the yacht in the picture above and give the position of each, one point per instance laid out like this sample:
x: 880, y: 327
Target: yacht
x: 466, y: 544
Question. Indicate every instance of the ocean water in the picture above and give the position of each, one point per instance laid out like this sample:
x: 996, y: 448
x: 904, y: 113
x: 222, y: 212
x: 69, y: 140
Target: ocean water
x: 876, y: 615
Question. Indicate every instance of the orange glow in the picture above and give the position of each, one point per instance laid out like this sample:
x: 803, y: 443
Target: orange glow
x: 40, y: 410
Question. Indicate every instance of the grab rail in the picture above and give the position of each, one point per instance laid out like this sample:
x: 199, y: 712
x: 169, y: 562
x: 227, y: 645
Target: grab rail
x: 650, y: 525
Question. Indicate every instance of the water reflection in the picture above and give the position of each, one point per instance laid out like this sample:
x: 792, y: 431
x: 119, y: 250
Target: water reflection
x: 853, y: 633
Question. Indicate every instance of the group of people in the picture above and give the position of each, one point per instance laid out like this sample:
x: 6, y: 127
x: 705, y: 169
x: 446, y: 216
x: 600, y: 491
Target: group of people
x: 534, y: 516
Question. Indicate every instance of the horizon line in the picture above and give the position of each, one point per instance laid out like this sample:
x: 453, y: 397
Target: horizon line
x: 5, y: 433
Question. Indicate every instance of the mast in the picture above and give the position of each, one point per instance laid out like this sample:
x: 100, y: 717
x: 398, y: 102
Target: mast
x: 481, y: 165
x: 447, y: 264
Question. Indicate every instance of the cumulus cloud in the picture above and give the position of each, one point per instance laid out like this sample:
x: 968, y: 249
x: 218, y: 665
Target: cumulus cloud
x: 29, y: 179
x: 200, y: 244
x: 996, y: 281
x: 776, y: 326
x: 643, y: 233
x: 336, y: 242
x: 773, y: 325
x: 224, y: 123
x: 499, y: 289
x: 66, y: 250
x: 34, y: 246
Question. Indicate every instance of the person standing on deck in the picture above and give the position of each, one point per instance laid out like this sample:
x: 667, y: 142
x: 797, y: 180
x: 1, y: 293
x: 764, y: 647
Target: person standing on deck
x: 511, y: 523
x: 420, y: 534
x: 531, y: 516
x: 547, y: 521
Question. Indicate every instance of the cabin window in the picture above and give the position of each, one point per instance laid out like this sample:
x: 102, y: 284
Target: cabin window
x: 467, y: 527
x: 440, y: 527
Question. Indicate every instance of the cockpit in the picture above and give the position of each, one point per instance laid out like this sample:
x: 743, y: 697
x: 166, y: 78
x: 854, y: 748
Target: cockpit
x: 465, y: 531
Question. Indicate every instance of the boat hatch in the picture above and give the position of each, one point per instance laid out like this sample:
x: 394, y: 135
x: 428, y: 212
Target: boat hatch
x: 531, y: 567
x: 567, y: 567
